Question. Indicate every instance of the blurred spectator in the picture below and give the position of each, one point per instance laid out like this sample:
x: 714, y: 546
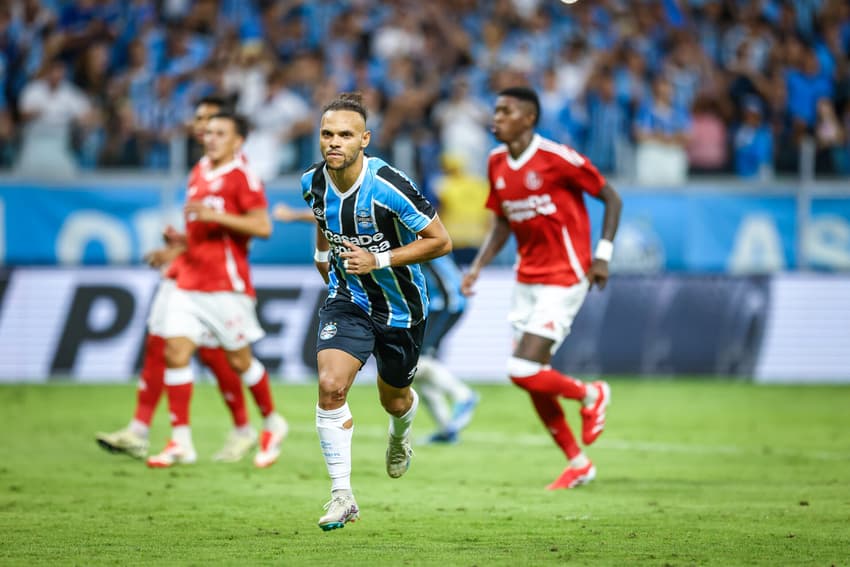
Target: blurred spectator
x: 607, y: 122
x: 49, y: 107
x: 461, y: 196
x: 753, y: 143
x: 281, y: 117
x: 463, y: 123
x: 662, y: 131
x: 830, y: 140
x: 707, y: 145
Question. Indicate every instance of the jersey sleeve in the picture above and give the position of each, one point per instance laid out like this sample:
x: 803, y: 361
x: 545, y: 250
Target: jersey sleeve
x: 402, y: 196
x: 578, y: 172
x: 493, y: 202
x: 249, y: 191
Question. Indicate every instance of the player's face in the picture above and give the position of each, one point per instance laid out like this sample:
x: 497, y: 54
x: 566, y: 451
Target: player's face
x: 199, y: 121
x: 511, y: 118
x: 221, y: 140
x: 342, y: 138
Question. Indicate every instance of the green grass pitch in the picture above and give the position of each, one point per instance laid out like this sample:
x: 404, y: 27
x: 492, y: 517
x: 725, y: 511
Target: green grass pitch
x: 690, y: 473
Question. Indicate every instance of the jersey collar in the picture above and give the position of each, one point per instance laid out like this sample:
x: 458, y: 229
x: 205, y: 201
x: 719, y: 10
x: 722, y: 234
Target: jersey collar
x: 526, y: 155
x: 354, y: 187
x: 211, y: 174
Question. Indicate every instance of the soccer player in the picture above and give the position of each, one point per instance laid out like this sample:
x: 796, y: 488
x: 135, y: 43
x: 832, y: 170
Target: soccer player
x: 536, y: 193
x: 226, y: 206
x: 435, y: 382
x: 373, y: 229
x: 133, y: 439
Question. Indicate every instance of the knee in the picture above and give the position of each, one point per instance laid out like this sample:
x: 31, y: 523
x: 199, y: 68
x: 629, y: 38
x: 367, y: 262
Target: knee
x: 177, y: 353
x: 397, y: 405
x: 333, y: 390
x: 240, y: 361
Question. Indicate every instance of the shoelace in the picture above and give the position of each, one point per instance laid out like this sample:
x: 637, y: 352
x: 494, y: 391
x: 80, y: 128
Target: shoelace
x: 340, y: 501
x: 399, y: 452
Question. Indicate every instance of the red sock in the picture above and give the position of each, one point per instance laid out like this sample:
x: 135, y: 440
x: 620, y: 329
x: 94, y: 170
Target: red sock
x: 552, y: 415
x: 228, y: 382
x: 262, y: 392
x: 179, y: 398
x: 152, y: 379
x: 550, y: 381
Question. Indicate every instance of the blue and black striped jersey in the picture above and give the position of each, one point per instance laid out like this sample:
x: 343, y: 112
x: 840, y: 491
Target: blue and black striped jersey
x: 382, y: 211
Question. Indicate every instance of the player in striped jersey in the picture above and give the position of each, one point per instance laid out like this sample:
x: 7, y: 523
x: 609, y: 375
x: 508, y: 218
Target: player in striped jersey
x: 373, y: 228
x: 537, y: 191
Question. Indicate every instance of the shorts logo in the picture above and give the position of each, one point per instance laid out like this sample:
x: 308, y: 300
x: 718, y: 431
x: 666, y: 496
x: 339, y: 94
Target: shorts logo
x: 328, y: 331
x: 364, y: 218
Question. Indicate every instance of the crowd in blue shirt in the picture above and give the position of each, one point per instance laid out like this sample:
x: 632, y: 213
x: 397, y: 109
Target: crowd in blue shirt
x: 775, y: 72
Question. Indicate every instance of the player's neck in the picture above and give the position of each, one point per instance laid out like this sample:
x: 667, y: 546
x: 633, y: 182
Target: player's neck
x: 344, y: 179
x: 520, y: 143
x: 215, y: 164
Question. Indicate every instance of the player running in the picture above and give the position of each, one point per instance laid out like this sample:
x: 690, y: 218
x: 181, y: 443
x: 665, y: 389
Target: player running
x: 536, y: 193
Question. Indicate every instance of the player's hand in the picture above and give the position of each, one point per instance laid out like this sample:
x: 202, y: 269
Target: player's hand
x: 161, y: 256
x: 195, y: 210
x: 357, y: 260
x: 598, y: 273
x: 468, y: 282
x: 284, y: 213
x: 173, y: 237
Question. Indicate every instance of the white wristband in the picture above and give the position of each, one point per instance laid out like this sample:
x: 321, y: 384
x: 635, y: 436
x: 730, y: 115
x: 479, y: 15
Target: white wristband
x: 604, y: 250
x: 321, y: 255
x: 382, y: 259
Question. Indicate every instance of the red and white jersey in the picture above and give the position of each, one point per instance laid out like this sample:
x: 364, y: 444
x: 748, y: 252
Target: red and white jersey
x: 216, y: 259
x: 541, y: 195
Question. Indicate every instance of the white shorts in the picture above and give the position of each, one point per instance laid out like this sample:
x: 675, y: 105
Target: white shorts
x: 222, y: 318
x: 546, y: 310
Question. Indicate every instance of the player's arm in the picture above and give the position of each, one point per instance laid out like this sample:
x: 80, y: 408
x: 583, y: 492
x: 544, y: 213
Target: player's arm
x: 433, y: 241
x: 321, y: 255
x: 598, y: 273
x: 255, y: 222
x: 285, y: 213
x: 500, y: 231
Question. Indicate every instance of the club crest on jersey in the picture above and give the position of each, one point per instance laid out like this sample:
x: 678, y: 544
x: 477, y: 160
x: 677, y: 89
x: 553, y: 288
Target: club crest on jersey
x: 364, y: 218
x: 328, y: 331
x: 500, y: 183
x: 215, y: 185
x: 533, y: 181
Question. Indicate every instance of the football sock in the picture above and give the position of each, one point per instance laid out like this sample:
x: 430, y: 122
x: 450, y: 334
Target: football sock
x: 580, y: 461
x: 182, y: 434
x: 436, y: 403
x: 139, y: 428
x: 257, y: 380
x: 178, y: 384
x: 552, y: 415
x: 151, y: 381
x: 543, y: 379
x: 336, y: 428
x: 445, y: 380
x: 591, y: 397
x: 400, y: 426
x: 228, y: 382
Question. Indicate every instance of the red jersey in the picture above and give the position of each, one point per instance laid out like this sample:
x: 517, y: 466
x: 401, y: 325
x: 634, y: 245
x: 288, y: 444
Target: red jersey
x: 216, y: 259
x: 541, y: 196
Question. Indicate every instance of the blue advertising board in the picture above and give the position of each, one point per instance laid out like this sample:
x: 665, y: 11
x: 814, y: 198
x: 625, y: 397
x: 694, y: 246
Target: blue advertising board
x: 678, y: 231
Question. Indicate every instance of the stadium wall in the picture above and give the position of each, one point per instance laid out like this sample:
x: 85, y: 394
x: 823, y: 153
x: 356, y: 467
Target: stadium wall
x: 721, y: 228
x: 87, y: 324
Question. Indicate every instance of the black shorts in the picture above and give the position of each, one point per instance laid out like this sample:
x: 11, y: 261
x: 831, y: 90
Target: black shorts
x: 346, y: 327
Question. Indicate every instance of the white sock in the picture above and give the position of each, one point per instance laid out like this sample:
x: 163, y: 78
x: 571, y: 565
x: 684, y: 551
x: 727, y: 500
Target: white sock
x: 579, y: 461
x: 444, y: 379
x: 139, y: 428
x: 436, y: 403
x: 336, y: 444
x: 182, y: 434
x: 400, y: 426
x: 273, y: 421
x: 591, y: 395
x: 244, y: 430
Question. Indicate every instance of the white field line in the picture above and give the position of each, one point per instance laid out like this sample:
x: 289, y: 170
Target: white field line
x: 531, y: 440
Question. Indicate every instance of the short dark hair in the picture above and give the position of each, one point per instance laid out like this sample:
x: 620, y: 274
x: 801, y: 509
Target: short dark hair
x: 220, y: 101
x: 239, y: 121
x: 348, y: 101
x: 526, y: 94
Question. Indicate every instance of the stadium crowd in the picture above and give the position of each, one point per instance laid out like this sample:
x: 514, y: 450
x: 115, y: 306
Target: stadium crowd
x: 728, y: 86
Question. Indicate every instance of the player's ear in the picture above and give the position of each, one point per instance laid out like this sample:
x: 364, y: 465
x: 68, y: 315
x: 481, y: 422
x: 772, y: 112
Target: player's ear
x: 364, y: 141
